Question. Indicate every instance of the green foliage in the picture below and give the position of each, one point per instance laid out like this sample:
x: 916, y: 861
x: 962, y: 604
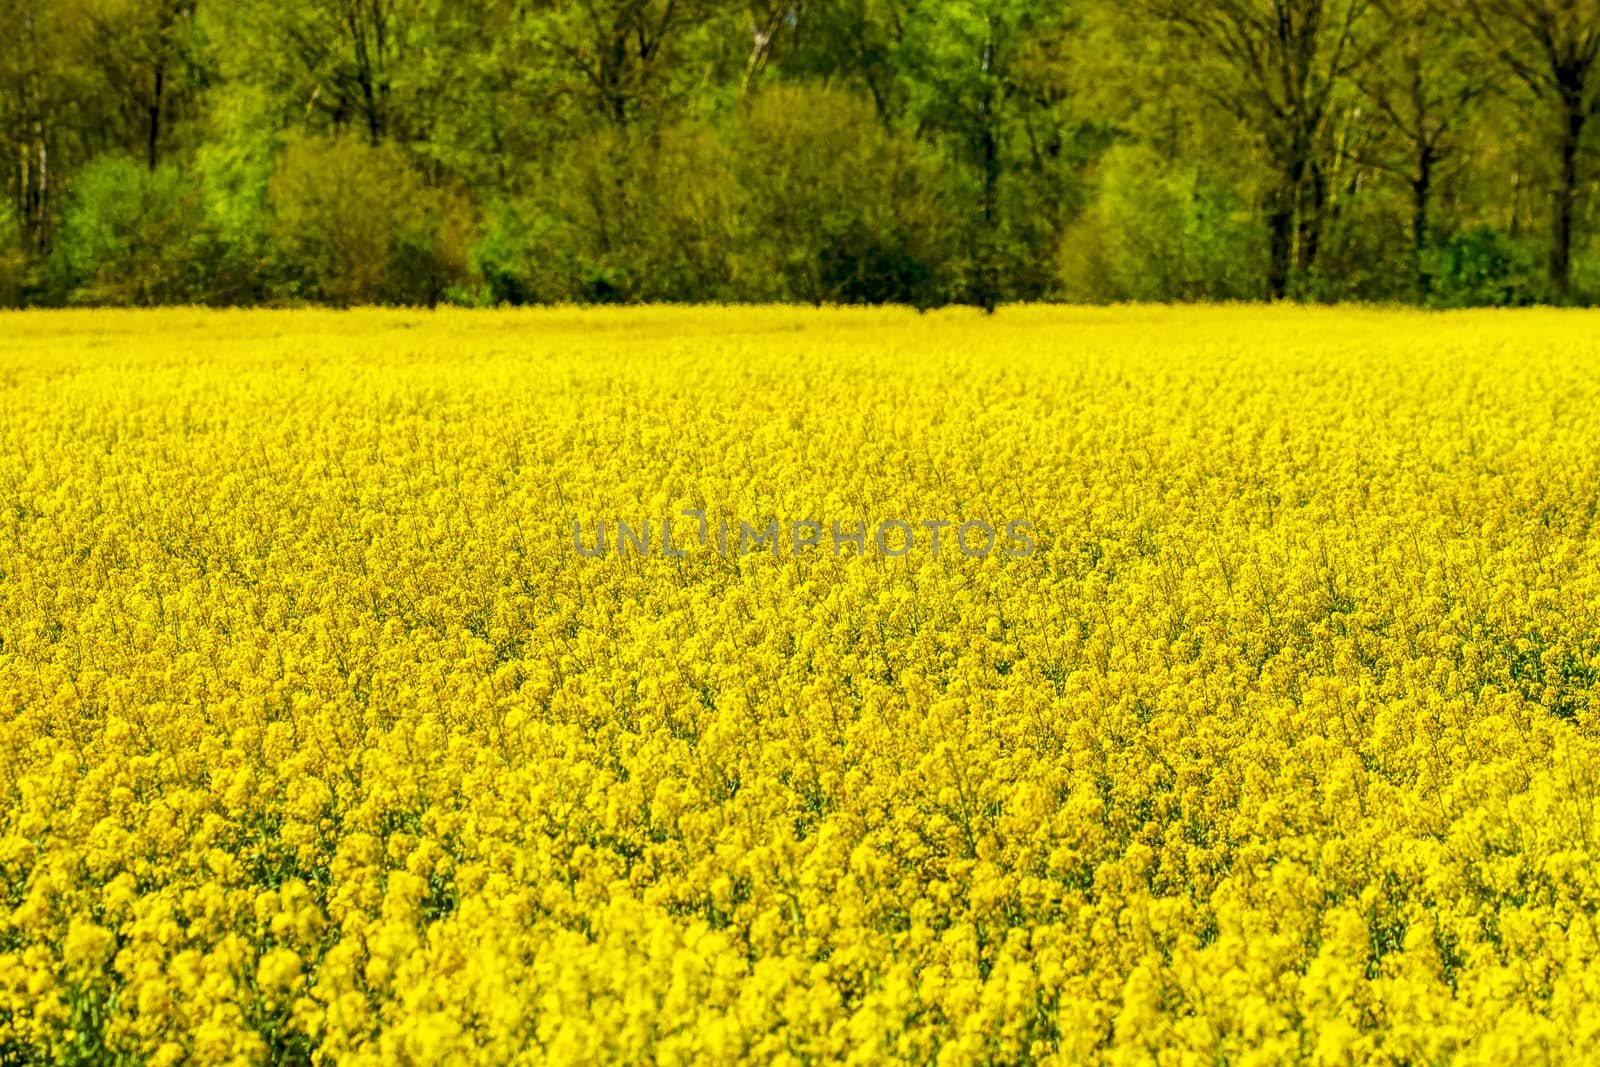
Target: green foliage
x: 1360, y: 259
x: 839, y: 210
x: 14, y: 276
x: 624, y: 216
x: 130, y: 235
x: 1161, y: 232
x: 1483, y: 267
x: 688, y: 217
x: 983, y: 75
x: 352, y: 223
x: 233, y: 166
x: 14, y: 265
x: 800, y: 196
x: 855, y: 151
x: 501, y: 259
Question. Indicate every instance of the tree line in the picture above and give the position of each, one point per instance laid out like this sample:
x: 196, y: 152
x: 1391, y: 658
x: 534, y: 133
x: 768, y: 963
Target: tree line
x: 1440, y: 152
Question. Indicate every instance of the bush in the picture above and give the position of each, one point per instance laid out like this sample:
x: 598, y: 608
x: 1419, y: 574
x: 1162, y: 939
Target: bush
x: 354, y: 224
x: 14, y: 277
x: 501, y: 258
x: 14, y: 267
x: 130, y: 235
x: 620, y: 217
x: 1366, y: 254
x: 1161, y: 232
x: 693, y: 226
x: 1481, y: 267
x: 839, y: 209
x: 800, y: 195
x: 1586, y: 275
x: 234, y: 167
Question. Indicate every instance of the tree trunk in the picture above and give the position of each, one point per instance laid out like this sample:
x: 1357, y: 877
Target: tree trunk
x: 1421, y: 191
x: 989, y: 162
x: 152, y: 146
x: 988, y: 283
x: 38, y: 193
x: 1282, y: 217
x: 1311, y: 219
x: 1566, y: 199
x: 1280, y: 246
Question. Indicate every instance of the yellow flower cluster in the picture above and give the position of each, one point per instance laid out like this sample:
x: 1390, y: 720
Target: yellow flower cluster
x: 320, y: 743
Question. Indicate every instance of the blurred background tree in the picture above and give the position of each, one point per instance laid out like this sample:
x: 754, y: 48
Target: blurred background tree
x: 1553, y: 48
x: 911, y: 151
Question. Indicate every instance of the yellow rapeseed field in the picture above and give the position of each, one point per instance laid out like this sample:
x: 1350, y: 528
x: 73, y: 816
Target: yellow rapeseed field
x: 341, y: 721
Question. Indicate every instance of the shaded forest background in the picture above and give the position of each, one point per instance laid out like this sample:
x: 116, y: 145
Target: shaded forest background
x: 911, y: 151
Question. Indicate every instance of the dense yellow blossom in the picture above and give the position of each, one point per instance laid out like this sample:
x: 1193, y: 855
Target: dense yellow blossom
x: 319, y: 740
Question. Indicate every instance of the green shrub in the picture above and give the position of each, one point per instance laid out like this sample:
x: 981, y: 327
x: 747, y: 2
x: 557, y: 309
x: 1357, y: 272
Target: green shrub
x: 233, y: 168
x: 839, y: 209
x: 354, y: 224
x: 1159, y: 231
x: 801, y: 195
x: 15, y: 274
x: 130, y: 235
x: 620, y: 217
x: 1481, y: 267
